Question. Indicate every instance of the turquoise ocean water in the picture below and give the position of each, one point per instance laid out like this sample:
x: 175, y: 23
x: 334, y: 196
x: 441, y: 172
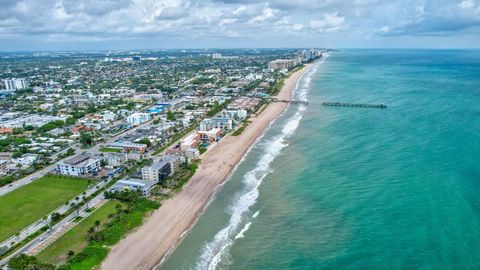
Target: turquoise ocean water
x: 355, y: 188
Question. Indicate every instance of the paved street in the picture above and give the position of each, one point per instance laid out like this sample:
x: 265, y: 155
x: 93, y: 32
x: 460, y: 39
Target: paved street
x: 42, y: 241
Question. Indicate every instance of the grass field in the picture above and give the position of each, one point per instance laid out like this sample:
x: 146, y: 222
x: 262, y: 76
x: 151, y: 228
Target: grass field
x: 110, y: 150
x: 76, y: 238
x: 25, y: 205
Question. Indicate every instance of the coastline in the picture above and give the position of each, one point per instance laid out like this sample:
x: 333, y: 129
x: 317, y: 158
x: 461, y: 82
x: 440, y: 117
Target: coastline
x: 165, y: 228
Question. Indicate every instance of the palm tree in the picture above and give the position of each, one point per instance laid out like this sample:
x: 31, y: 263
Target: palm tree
x: 46, y: 219
x: 85, y: 201
x: 76, y: 206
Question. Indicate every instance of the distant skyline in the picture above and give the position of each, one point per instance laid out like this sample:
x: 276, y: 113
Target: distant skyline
x: 157, y: 24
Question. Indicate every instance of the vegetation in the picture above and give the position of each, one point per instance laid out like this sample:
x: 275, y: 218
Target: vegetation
x: 77, y: 238
x: 124, y: 220
x: 240, y: 130
x: 216, y: 108
x: 170, y: 116
x: 145, y: 141
x: 175, y: 137
x: 24, y: 262
x: 51, y: 125
x: 86, y: 138
x: 31, y: 202
x: 180, y: 177
x: 110, y: 150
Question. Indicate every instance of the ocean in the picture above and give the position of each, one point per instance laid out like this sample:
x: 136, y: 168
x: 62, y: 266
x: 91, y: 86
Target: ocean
x: 357, y: 188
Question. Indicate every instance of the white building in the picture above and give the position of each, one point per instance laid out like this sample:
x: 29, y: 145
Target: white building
x: 234, y: 114
x: 26, y: 159
x: 217, y: 122
x: 161, y: 169
x: 115, y: 159
x: 191, y: 141
x: 3, y: 167
x: 108, y: 116
x: 139, y: 118
x: 192, y: 153
x: 14, y: 84
x: 134, y: 184
x: 79, y: 166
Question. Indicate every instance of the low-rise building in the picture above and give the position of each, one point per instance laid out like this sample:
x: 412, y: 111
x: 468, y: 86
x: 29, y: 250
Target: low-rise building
x: 127, y: 146
x: 130, y: 184
x: 139, y: 118
x: 191, y: 141
x: 161, y: 168
x: 225, y: 124
x: 209, y: 136
x: 80, y: 165
x: 26, y: 159
x: 115, y: 159
x: 234, y: 114
x: 192, y: 153
x: 3, y: 167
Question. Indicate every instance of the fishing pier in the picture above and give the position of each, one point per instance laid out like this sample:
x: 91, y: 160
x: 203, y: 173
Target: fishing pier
x: 360, y: 105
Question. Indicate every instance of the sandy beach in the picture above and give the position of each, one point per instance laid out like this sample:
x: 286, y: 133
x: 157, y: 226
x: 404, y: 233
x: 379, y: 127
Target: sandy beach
x: 146, y: 247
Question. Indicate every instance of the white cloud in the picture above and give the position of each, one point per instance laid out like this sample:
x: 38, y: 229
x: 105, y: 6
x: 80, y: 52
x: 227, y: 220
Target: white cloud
x: 467, y: 4
x: 331, y: 22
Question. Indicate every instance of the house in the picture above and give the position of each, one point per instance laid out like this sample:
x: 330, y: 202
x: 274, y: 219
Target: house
x: 161, y: 169
x: 134, y: 184
x: 79, y: 165
x: 217, y: 122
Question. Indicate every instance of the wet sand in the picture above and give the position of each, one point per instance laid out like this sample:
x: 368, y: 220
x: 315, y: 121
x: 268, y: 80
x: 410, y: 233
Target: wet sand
x: 146, y: 247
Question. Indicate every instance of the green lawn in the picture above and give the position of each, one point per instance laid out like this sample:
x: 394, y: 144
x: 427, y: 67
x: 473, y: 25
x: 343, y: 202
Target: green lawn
x: 110, y: 150
x: 76, y: 238
x: 25, y: 205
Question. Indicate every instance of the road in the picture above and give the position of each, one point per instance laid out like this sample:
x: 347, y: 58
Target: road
x: 61, y: 225
x: 37, y: 225
x: 93, y: 150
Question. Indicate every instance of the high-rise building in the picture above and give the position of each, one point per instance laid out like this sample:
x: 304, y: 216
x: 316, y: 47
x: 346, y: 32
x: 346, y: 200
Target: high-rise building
x: 281, y: 64
x: 14, y: 84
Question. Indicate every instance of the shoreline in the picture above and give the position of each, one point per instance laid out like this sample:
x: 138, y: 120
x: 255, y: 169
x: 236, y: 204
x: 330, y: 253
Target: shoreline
x: 150, y: 244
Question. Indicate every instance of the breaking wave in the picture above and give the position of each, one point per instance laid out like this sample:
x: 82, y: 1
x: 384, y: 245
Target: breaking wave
x: 217, y: 249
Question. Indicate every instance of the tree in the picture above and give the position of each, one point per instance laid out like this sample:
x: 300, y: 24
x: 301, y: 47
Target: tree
x: 70, y: 253
x: 55, y: 216
x: 25, y: 262
x: 145, y: 141
x: 86, y: 138
x: 85, y: 201
x: 76, y: 206
x: 70, y: 121
x: 170, y: 116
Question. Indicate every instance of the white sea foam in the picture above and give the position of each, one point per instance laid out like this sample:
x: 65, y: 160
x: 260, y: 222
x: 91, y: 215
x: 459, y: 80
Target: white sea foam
x: 217, y: 249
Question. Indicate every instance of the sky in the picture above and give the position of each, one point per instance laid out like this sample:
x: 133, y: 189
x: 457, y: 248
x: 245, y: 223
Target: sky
x: 156, y: 24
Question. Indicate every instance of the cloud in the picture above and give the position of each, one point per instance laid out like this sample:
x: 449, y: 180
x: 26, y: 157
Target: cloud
x: 52, y: 21
x: 331, y: 22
